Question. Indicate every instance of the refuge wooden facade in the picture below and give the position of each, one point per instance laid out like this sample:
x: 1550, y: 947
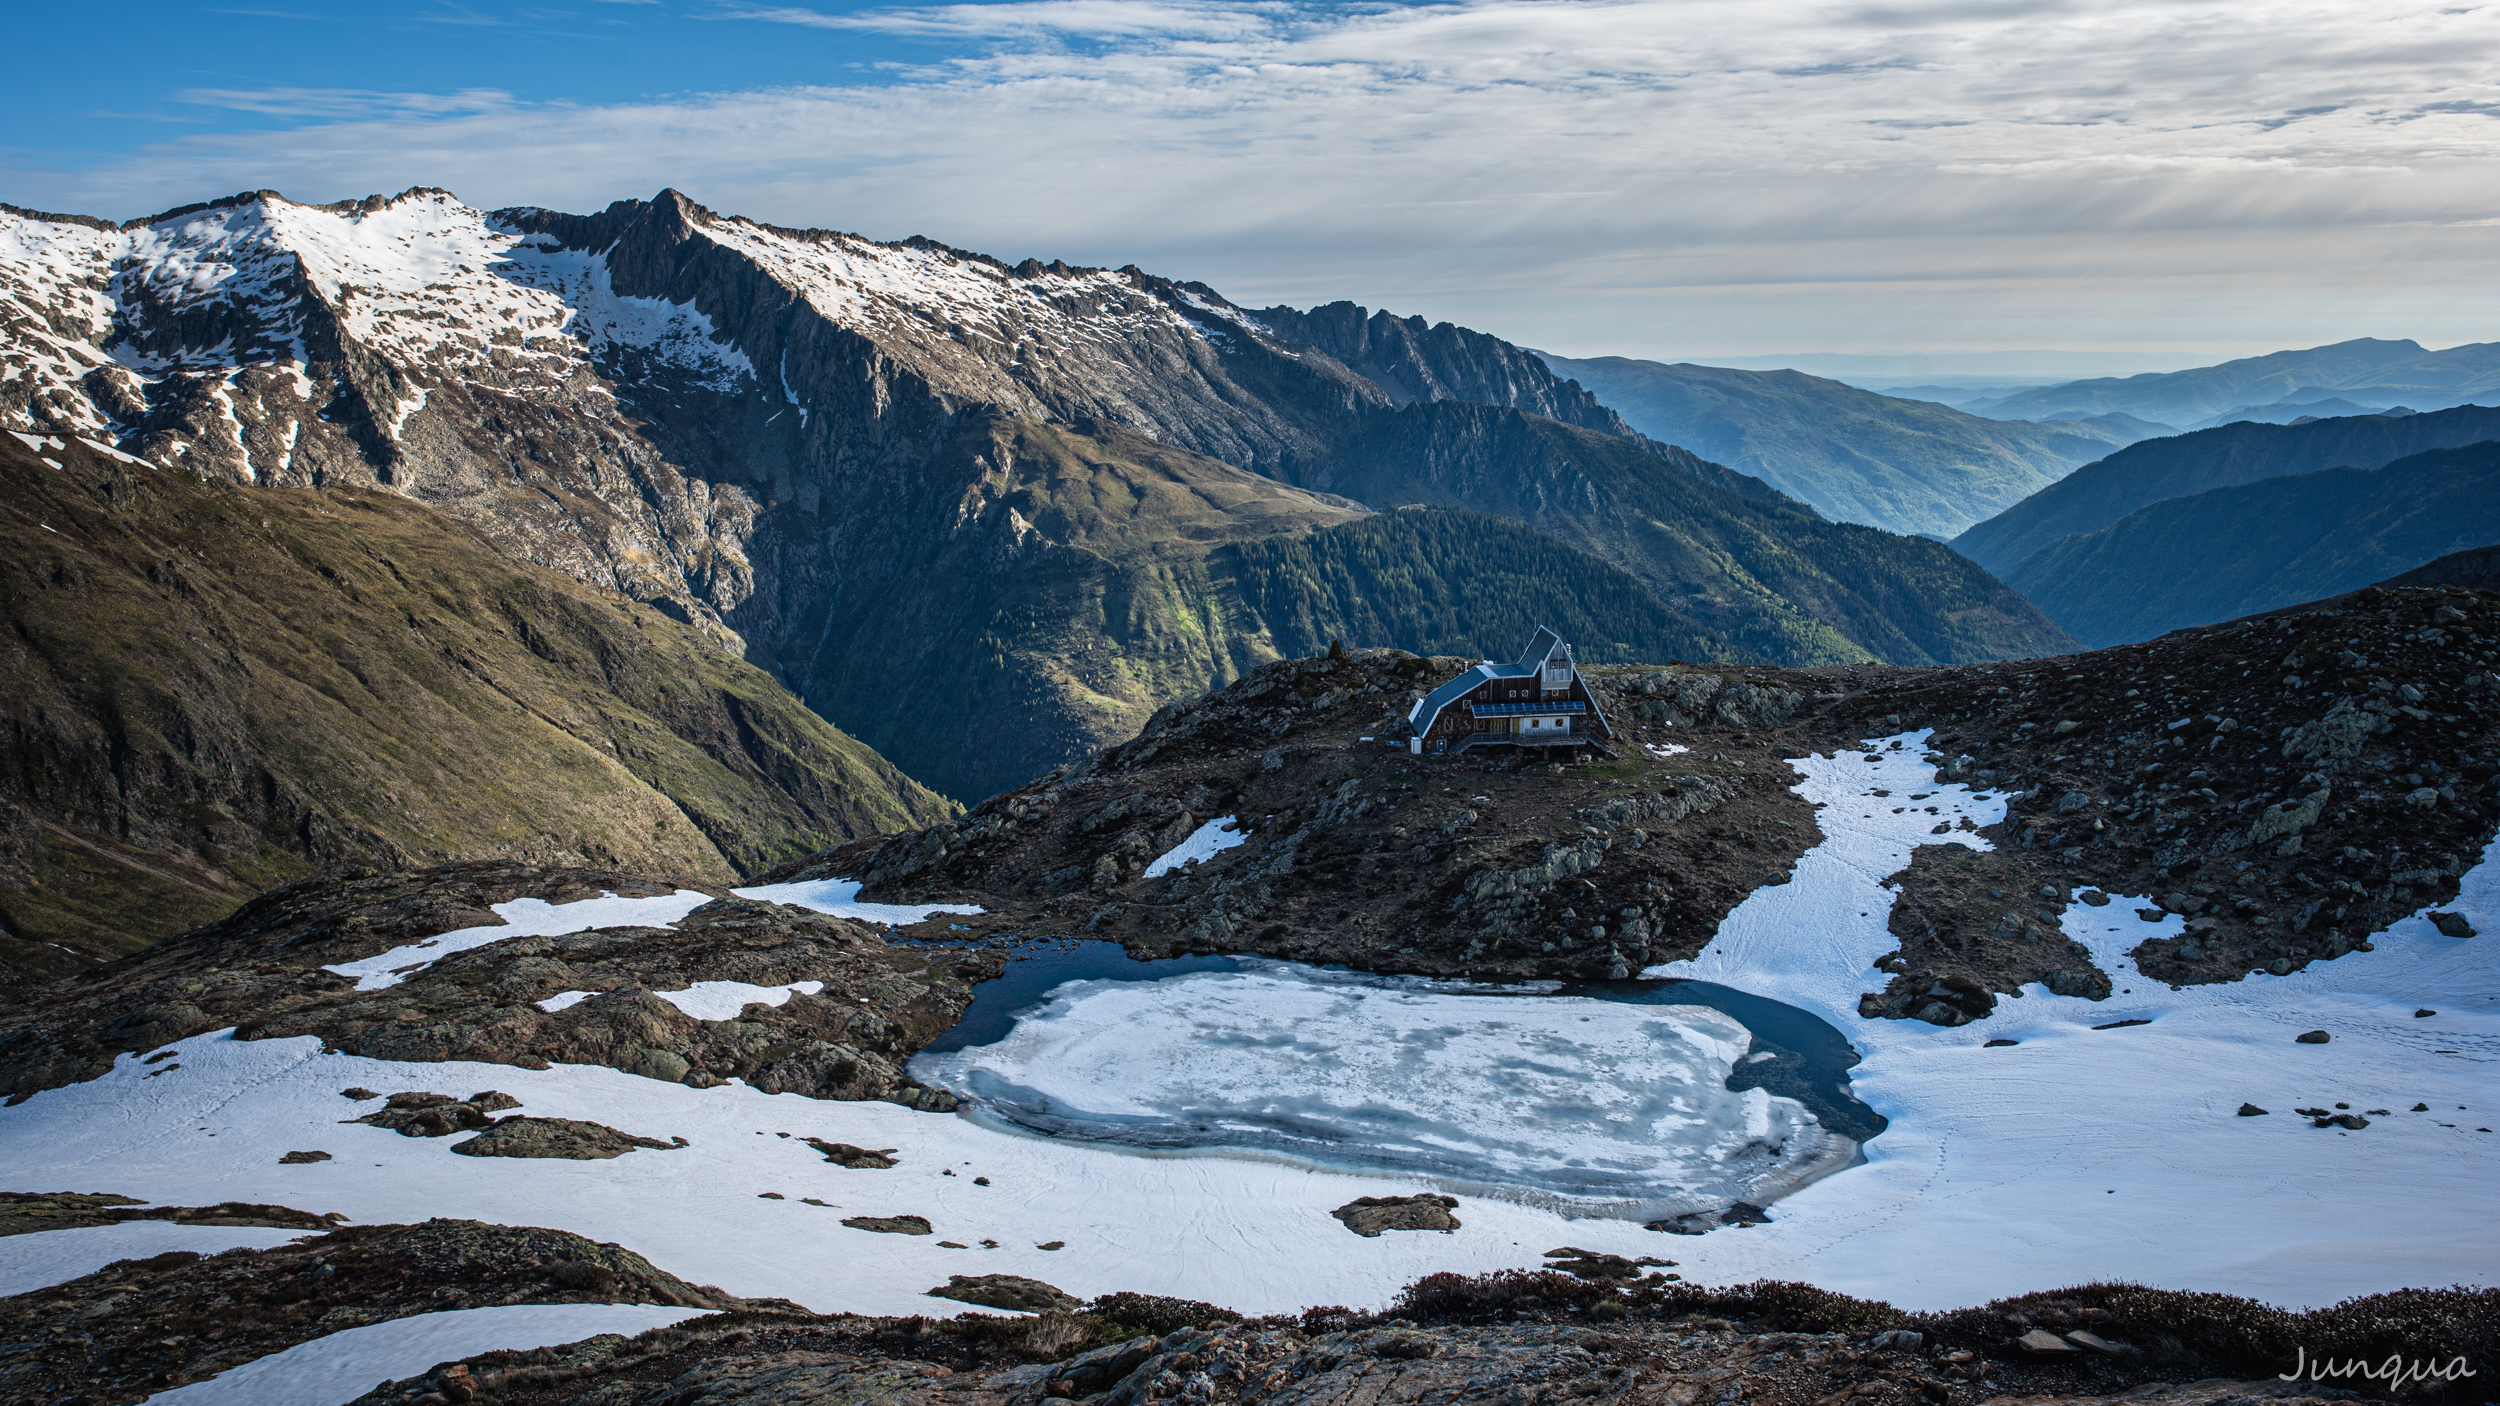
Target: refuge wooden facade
x: 1539, y: 701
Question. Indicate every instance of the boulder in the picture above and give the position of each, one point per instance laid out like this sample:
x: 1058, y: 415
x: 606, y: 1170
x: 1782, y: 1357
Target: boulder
x: 2039, y: 1342
x: 856, y: 1158
x: 571, y: 1139
x: 891, y: 1225
x: 1368, y: 1216
x: 431, y: 1115
x: 2312, y: 1037
x: 1013, y: 1292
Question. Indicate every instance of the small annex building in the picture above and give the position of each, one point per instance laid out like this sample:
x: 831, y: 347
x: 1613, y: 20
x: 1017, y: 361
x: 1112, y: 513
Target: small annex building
x: 1540, y: 701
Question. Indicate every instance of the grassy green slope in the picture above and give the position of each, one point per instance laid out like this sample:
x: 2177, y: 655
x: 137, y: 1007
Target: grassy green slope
x: 214, y: 689
x: 2235, y: 551
x: 1906, y: 465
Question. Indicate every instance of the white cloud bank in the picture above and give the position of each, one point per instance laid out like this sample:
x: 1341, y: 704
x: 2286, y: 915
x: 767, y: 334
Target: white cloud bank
x: 1641, y: 176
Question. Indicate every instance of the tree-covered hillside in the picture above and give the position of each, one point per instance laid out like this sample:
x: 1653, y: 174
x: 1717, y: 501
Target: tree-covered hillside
x: 1446, y: 582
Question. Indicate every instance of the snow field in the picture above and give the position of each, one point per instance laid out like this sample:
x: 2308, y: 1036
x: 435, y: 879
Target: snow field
x: 2088, y: 1153
x: 349, y: 1363
x: 1202, y: 844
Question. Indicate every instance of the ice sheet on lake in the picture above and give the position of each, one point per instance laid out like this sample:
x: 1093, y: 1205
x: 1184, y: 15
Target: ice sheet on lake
x: 1204, y: 843
x: 347, y: 1364
x: 525, y: 917
x: 840, y: 897
x: 1620, y: 1108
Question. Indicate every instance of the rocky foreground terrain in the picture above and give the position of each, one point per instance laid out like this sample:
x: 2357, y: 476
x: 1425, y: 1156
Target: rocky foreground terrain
x: 1602, y: 1333
x: 143, y: 1325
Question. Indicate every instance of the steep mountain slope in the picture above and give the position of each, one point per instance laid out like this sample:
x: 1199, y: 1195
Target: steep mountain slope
x: 1775, y: 581
x: 2099, y: 494
x: 2366, y: 369
x: 2257, y: 546
x: 214, y: 688
x: 1904, y: 465
x: 962, y: 509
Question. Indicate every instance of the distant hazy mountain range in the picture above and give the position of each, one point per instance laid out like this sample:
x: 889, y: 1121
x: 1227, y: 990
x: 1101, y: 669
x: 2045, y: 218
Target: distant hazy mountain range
x: 2229, y: 552
x: 2101, y: 493
x: 2366, y: 372
x: 1855, y: 455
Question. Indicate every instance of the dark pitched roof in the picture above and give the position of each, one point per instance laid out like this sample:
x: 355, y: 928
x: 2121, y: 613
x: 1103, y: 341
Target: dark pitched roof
x: 1541, y: 647
x: 1419, y: 719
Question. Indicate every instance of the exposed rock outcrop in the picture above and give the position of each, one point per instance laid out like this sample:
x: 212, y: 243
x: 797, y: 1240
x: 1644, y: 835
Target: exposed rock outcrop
x: 261, y: 972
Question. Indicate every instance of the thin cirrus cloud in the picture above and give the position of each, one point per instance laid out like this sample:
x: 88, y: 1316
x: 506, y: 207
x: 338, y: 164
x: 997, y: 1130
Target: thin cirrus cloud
x: 1031, y: 18
x: 347, y: 103
x: 1637, y: 176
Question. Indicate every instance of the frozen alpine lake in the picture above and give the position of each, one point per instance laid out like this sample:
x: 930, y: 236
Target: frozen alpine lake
x: 1590, y: 1105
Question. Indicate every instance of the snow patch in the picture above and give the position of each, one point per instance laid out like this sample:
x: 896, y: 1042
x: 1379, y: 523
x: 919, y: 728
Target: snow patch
x: 840, y: 897
x: 723, y: 1000
x: 115, y: 455
x: 705, y: 1000
x: 524, y: 917
x: 1204, y: 843
x: 406, y: 408
x: 328, y: 1370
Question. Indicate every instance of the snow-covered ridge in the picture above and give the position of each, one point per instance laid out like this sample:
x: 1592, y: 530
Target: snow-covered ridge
x: 445, y: 291
x: 437, y: 288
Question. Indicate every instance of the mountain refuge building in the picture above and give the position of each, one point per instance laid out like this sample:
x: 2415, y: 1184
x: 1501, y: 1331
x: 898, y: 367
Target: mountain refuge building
x: 1540, y: 701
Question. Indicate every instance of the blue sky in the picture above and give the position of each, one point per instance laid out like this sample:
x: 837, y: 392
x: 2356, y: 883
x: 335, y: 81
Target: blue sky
x: 171, y: 69
x: 2176, y: 179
